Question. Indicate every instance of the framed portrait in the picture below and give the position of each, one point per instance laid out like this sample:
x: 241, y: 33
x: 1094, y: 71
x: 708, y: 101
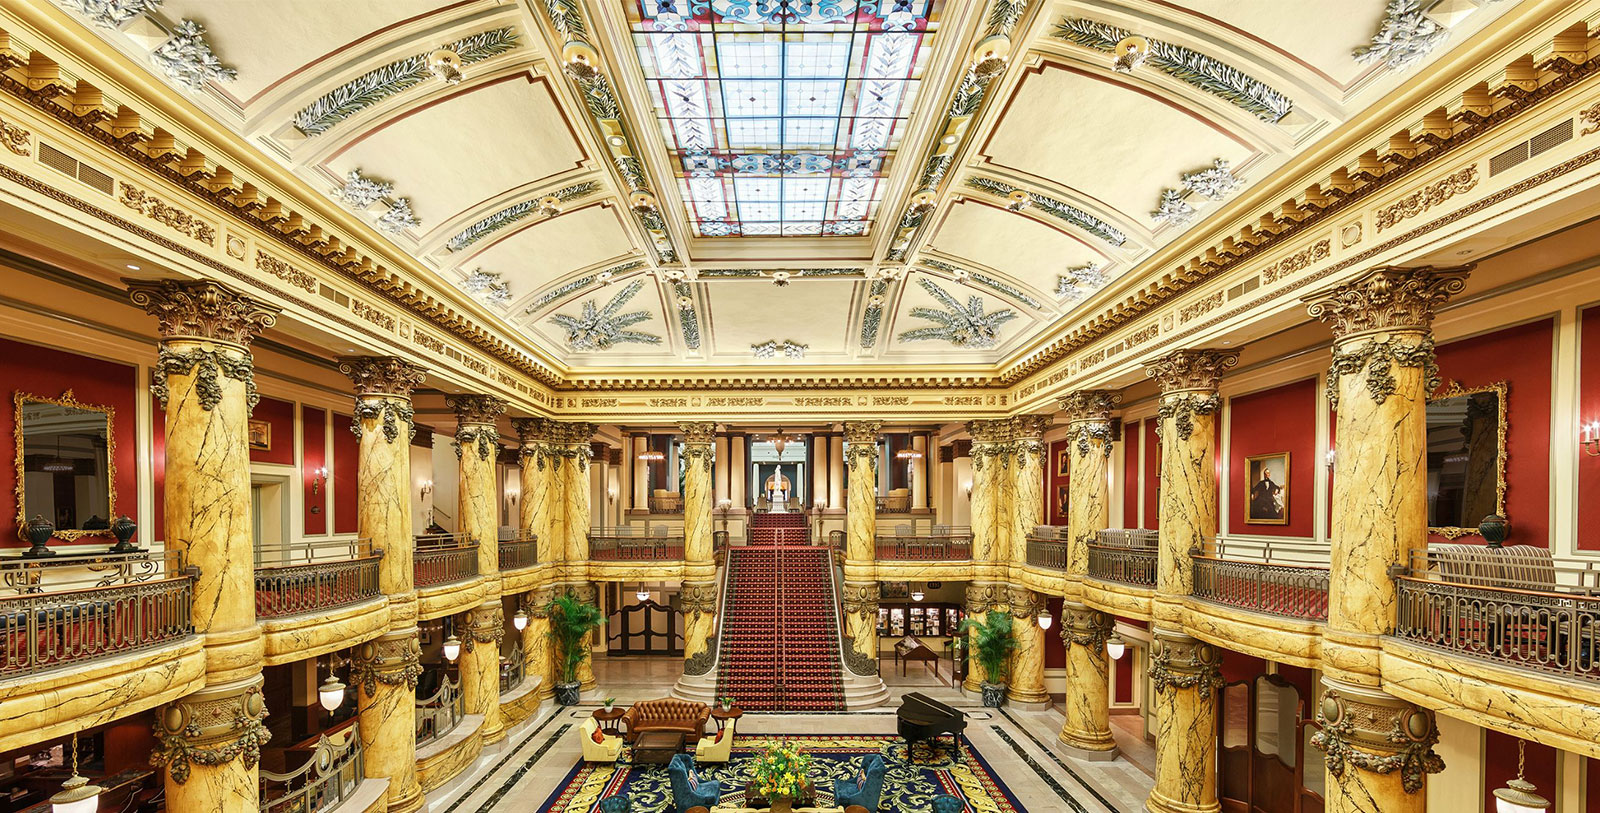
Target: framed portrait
x: 1063, y: 461
x: 896, y: 590
x: 260, y: 435
x: 1266, y: 489
x: 1063, y: 498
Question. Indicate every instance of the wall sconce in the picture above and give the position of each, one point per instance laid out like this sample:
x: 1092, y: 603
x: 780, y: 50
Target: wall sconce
x: 1328, y: 457
x: 427, y: 489
x: 1591, y: 439
x: 511, y: 496
x: 611, y: 495
x: 968, y: 488
x: 318, y: 475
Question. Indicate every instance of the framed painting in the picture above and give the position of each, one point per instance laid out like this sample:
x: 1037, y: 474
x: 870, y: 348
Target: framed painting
x: 1266, y: 489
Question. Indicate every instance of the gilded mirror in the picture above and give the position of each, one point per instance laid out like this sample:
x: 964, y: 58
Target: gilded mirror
x: 66, y: 464
x: 1466, y: 457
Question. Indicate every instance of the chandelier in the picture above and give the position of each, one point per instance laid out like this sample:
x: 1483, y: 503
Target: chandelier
x: 779, y: 441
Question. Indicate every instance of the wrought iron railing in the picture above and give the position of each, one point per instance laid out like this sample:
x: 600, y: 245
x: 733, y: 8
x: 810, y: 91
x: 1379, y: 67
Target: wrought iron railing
x: 1050, y: 554
x: 896, y: 504
x: 71, y: 609
x: 943, y: 544
x: 635, y: 543
x: 316, y: 575
x: 1516, y: 605
x: 1123, y: 564
x: 1287, y: 578
x: 441, y: 713
x: 329, y: 777
x: 519, y: 551
x: 444, y: 558
x: 513, y: 668
x: 666, y: 504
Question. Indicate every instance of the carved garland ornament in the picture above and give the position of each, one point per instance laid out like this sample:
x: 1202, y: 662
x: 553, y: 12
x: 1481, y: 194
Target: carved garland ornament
x: 698, y: 453
x: 484, y: 436
x: 210, y: 732
x: 1407, y: 745
x: 698, y: 598
x: 390, y: 661
x: 1086, y: 431
x: 210, y: 364
x: 1378, y: 358
x: 15, y: 139
x: 390, y: 412
x: 485, y: 627
x: 982, y: 598
x: 160, y: 211
x: 1183, y: 408
x: 1185, y: 664
x: 862, y: 455
x: 1085, y: 627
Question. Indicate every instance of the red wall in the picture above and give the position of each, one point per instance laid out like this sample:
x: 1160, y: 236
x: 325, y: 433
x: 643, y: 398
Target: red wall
x: 1500, y: 766
x: 1054, y: 482
x: 1152, y: 475
x: 1520, y: 356
x: 1055, y: 649
x: 158, y: 468
x: 313, y: 456
x: 49, y: 373
x: 1588, y: 467
x: 280, y: 416
x: 1282, y: 419
x: 1131, y: 433
x: 346, y: 459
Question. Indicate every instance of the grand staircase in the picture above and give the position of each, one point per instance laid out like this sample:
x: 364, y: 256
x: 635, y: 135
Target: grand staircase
x: 780, y: 633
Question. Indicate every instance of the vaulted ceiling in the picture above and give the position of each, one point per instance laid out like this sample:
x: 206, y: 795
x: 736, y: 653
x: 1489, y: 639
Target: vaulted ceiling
x: 691, y: 182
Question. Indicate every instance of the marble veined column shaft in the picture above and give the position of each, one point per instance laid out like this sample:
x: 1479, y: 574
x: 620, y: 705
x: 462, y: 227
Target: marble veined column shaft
x: 1027, y: 660
x: 860, y: 569
x: 1187, y: 676
x: 1087, y: 705
x: 699, y: 596
x: 1027, y: 476
x: 477, y: 445
x: 1089, y: 488
x: 991, y: 482
x: 539, y: 492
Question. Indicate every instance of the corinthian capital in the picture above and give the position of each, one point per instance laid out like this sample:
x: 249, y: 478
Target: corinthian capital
x: 201, y: 309
x: 1031, y: 426
x: 476, y: 408
x: 1191, y: 369
x: 1090, y: 405
x: 1387, y: 298
x: 862, y: 432
x: 531, y: 431
x: 698, y: 431
x: 998, y: 430
x: 382, y: 375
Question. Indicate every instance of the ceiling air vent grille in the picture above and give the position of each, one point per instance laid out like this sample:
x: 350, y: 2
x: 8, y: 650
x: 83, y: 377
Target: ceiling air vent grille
x: 1555, y: 136
x: 1243, y: 288
x: 73, y: 168
x: 1508, y: 159
x: 333, y: 296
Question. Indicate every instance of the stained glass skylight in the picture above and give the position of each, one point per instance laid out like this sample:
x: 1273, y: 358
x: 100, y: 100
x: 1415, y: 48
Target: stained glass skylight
x: 783, y: 117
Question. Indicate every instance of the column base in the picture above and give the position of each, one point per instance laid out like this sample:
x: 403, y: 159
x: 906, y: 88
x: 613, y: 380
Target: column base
x: 1090, y: 750
x: 1158, y: 803
x: 408, y: 804
x: 1029, y: 704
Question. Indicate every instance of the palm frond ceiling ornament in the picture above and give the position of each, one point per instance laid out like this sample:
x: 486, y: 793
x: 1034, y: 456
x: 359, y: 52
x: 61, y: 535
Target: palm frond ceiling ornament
x: 487, y: 286
x: 1059, y: 210
x: 515, y: 212
x: 1080, y: 281
x: 1406, y: 36
x: 772, y: 348
x: 961, y: 325
x: 602, y: 328
x: 113, y: 13
x: 187, y: 59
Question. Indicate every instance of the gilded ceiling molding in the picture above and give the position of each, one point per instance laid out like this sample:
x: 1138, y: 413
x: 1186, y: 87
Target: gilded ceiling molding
x: 796, y: 383
x: 1186, y: 65
x: 517, y: 211
x: 1055, y: 208
x: 602, y: 328
x: 688, y: 319
x: 572, y: 286
x: 378, y: 84
x: 979, y: 278
x: 787, y: 273
x: 965, y: 326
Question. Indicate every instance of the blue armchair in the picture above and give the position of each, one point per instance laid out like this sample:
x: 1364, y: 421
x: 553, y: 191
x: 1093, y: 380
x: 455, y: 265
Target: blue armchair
x: 688, y: 789
x: 949, y: 804
x: 863, y: 788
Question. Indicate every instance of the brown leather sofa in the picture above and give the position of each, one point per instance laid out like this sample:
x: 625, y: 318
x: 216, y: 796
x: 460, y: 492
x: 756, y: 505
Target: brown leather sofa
x: 667, y: 714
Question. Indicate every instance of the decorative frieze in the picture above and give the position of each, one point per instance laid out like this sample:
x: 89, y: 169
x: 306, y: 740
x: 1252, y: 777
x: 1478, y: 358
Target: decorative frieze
x: 286, y: 272
x: 1202, y: 306
x: 166, y: 214
x: 1458, y: 182
x: 16, y: 139
x: 1299, y: 261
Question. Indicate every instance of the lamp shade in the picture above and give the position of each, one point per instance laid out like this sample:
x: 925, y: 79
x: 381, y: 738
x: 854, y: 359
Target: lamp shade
x: 642, y: 595
x: 1115, y: 647
x: 1518, y: 797
x: 452, y: 648
x: 520, y: 620
x: 331, y: 693
x: 1045, y: 620
x: 76, y: 796
x: 916, y: 595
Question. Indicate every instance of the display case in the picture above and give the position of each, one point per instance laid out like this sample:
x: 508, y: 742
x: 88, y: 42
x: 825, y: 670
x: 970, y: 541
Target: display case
x: 924, y: 620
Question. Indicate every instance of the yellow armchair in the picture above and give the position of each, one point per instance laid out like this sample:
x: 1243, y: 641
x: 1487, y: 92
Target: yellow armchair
x: 607, y: 750
x: 709, y: 750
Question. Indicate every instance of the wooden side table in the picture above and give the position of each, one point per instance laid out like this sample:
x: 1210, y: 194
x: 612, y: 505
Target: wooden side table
x: 723, y: 715
x: 608, y: 719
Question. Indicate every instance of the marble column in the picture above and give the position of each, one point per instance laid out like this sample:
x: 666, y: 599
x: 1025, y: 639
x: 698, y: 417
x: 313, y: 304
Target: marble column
x: 1187, y: 675
x: 539, y: 493
x: 1086, y: 731
x: 588, y: 594
x: 919, y: 474
x: 384, y: 672
x: 1027, y: 660
x: 991, y: 466
x: 536, y: 640
x: 980, y: 599
x: 1379, y: 748
x: 1088, y: 489
x: 210, y: 741
x: 836, y: 473
x: 641, y: 475
x: 860, y: 569
x: 698, y: 599
x: 477, y: 445
x: 1028, y: 451
x: 576, y: 452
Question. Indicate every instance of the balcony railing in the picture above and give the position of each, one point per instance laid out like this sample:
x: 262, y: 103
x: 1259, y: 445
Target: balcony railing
x: 1515, y: 605
x: 1280, y: 578
x: 444, y: 558
x: 441, y: 713
x: 74, y: 608
x: 634, y: 543
x: 666, y: 504
x: 943, y: 544
x: 316, y: 575
x: 329, y: 776
x: 895, y: 504
x: 519, y: 551
x: 513, y: 668
x: 1123, y: 565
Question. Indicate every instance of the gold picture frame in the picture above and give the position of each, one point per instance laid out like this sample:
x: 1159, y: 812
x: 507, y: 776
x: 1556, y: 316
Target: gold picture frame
x: 1266, y: 489
x: 1064, y: 461
x: 69, y: 400
x: 1501, y: 389
x: 260, y: 434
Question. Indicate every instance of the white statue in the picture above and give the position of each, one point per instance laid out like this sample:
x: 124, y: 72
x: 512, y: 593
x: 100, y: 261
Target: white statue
x: 777, y: 491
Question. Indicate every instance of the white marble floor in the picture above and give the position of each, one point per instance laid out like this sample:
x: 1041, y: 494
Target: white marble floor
x: 519, y: 773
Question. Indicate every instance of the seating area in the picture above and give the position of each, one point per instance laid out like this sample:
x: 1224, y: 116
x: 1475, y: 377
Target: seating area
x: 780, y: 634
x: 685, y: 717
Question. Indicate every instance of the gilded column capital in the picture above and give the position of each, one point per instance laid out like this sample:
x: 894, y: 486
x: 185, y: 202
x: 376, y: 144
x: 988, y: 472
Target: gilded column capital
x: 991, y: 441
x: 698, y: 597
x: 1180, y: 662
x: 213, y: 726
x: 393, y: 659
x: 388, y: 412
x: 1086, y: 627
x: 861, y: 444
x: 698, y: 432
x: 862, y: 431
x: 1183, y: 370
x: 486, y: 623
x: 484, y: 437
x: 383, y: 375
x: 1377, y: 733
x: 1026, y: 605
x: 585, y: 592
x: 1387, y: 298
x: 537, y: 602
x: 471, y: 408
x: 982, y: 598
x: 1024, y: 427
x: 1091, y: 405
x: 202, y: 310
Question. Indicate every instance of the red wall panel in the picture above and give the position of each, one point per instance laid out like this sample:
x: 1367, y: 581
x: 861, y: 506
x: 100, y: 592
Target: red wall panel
x: 158, y: 468
x: 1055, y: 649
x: 346, y: 460
x: 1131, y: 435
x: 1152, y: 475
x: 1520, y: 356
x: 1500, y: 766
x: 49, y: 373
x: 313, y: 457
x: 1282, y: 419
x: 280, y: 416
x: 1588, y: 467
x: 1056, y: 483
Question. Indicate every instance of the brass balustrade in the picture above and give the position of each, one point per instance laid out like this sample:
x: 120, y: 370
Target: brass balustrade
x: 1047, y: 553
x: 440, y: 714
x: 513, y: 668
x: 316, y: 575
x: 329, y: 777
x: 636, y: 543
x: 519, y: 551
x: 944, y: 544
x: 444, y: 558
x: 1288, y: 578
x: 1515, y: 605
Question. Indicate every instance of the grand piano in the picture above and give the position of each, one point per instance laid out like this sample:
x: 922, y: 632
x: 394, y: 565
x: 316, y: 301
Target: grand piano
x: 923, y: 718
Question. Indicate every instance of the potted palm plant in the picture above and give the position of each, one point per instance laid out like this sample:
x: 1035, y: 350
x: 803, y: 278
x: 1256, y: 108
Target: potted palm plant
x: 571, y: 621
x: 992, y: 645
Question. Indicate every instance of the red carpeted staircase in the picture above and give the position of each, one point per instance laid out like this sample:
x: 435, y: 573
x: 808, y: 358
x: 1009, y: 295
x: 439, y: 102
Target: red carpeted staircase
x: 779, y: 529
x: 780, y: 636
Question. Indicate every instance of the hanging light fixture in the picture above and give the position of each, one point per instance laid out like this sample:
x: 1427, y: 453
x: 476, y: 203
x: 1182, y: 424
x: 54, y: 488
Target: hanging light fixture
x: 520, y: 620
x: 76, y: 794
x: 1045, y: 619
x: 916, y: 594
x: 779, y: 441
x: 1115, y: 646
x: 1518, y: 795
x: 57, y: 463
x: 331, y: 693
x: 652, y: 456
x: 452, y: 648
x: 642, y: 594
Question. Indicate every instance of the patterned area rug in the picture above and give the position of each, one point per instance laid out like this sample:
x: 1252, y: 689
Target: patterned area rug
x: 908, y: 785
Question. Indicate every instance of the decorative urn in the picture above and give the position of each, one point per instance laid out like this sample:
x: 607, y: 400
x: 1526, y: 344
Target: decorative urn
x: 39, y: 531
x: 123, y: 529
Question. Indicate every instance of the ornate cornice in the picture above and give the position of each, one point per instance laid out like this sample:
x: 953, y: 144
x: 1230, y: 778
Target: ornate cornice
x: 1191, y: 369
x: 383, y: 375
x: 201, y: 309
x: 1090, y: 405
x: 471, y: 408
x: 1388, y: 298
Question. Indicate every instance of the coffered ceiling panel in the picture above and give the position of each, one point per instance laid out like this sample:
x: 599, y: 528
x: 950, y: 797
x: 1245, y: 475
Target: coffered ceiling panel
x: 536, y: 255
x: 1031, y: 251
x: 458, y: 152
x: 812, y: 312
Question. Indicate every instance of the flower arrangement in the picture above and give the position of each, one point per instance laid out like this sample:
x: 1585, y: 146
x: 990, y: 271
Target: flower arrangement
x: 782, y: 771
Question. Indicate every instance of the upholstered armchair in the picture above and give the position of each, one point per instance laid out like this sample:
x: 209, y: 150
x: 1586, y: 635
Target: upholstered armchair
x: 863, y: 788
x: 606, y: 750
x: 688, y: 789
x: 948, y: 804
x: 718, y: 748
